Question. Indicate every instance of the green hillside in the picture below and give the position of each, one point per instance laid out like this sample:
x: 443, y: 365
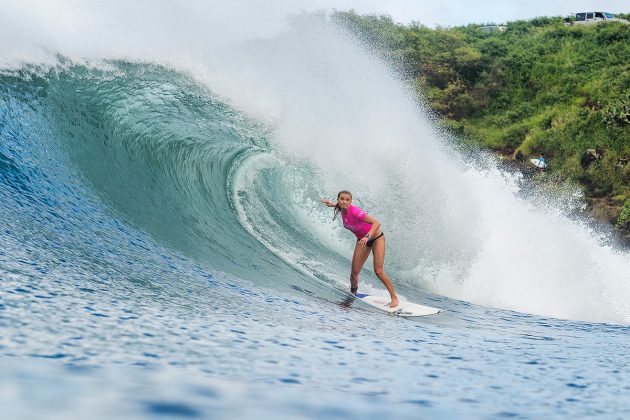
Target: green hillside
x: 530, y: 87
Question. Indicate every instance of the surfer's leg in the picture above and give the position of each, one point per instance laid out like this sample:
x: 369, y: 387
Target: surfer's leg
x: 361, y: 254
x: 378, y: 252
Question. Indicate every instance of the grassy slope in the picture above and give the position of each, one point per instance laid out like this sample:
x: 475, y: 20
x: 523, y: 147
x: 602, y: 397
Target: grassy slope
x: 538, y: 87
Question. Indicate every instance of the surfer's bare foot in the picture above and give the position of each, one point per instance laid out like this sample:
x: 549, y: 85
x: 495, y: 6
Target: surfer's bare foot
x: 394, y: 302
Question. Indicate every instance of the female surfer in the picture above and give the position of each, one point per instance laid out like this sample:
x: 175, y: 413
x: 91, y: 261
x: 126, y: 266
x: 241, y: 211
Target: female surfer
x: 369, y: 237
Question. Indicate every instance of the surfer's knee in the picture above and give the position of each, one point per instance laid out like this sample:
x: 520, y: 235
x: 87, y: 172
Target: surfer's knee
x: 379, y: 272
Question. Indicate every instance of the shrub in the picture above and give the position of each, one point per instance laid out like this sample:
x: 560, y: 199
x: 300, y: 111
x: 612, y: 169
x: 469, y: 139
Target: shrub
x: 617, y: 112
x: 623, y: 221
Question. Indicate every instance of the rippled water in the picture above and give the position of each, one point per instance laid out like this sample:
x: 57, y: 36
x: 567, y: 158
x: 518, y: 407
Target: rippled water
x: 243, y: 350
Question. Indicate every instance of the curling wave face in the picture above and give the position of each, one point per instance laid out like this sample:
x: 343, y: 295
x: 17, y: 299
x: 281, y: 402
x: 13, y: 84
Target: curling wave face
x: 155, y: 147
x: 176, y: 161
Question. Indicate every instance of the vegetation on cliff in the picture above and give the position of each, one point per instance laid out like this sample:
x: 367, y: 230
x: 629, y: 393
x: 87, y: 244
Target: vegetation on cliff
x: 526, y: 88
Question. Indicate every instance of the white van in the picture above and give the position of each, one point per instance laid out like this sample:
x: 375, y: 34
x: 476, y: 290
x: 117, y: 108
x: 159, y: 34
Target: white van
x: 592, y: 18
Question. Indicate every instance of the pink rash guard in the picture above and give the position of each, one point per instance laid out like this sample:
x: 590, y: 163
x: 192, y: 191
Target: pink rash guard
x: 353, y: 220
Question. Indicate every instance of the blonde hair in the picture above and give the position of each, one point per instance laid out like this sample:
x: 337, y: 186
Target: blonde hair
x: 337, y: 208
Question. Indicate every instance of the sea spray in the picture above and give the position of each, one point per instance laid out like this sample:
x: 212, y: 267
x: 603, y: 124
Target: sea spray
x: 454, y: 227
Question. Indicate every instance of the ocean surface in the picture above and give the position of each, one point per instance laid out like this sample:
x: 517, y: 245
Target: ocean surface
x: 163, y: 252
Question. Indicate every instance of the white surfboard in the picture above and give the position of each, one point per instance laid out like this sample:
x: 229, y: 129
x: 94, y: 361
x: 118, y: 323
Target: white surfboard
x: 403, y: 309
x: 538, y: 163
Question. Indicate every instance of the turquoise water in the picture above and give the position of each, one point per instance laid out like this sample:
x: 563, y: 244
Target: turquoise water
x: 153, y: 263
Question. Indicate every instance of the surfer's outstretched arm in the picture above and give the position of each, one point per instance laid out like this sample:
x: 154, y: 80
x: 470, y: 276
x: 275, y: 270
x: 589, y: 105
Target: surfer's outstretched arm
x: 328, y: 203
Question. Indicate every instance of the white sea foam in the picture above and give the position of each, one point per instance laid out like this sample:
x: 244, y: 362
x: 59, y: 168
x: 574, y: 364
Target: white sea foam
x: 456, y: 229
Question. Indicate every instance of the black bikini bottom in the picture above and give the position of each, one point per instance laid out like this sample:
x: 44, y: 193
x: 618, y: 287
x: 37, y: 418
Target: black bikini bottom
x: 371, y: 241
